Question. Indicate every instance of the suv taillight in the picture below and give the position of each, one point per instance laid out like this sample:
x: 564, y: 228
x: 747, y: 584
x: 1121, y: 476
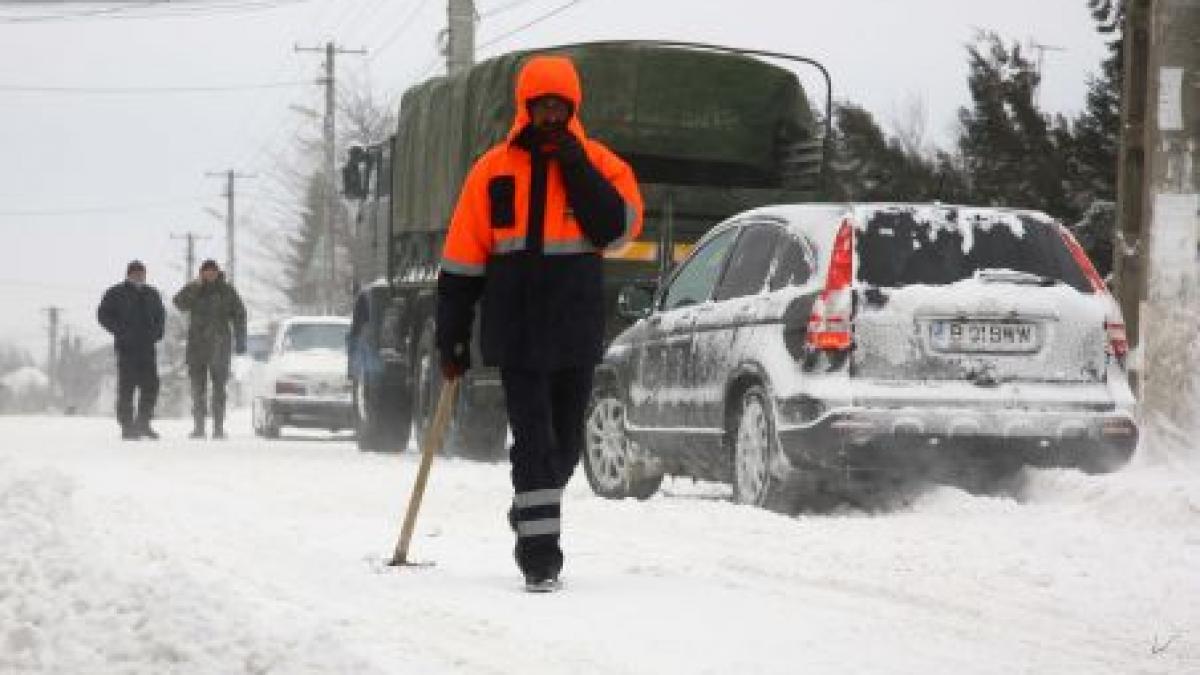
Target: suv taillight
x: 1118, y: 343
x: 829, y: 325
x: 1114, y: 323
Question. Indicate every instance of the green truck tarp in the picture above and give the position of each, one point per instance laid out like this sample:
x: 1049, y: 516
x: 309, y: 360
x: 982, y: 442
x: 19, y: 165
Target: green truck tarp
x: 679, y: 116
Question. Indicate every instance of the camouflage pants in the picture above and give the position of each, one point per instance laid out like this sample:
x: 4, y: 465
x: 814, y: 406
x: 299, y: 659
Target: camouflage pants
x: 200, y: 374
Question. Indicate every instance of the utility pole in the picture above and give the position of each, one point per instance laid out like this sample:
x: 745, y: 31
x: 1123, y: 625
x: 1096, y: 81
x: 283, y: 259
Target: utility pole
x: 190, y: 253
x: 230, y: 177
x: 1171, y: 207
x: 52, y: 348
x: 460, y: 36
x: 1128, y: 248
x: 330, y: 169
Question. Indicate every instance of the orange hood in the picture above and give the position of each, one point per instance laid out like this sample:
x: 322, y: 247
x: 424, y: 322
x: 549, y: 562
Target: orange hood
x: 544, y: 75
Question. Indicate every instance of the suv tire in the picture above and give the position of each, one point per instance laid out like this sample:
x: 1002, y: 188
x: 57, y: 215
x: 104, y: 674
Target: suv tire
x: 608, y: 459
x: 755, y: 448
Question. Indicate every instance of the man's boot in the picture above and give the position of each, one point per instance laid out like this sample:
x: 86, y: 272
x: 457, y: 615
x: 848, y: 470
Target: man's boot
x: 198, y: 429
x: 129, y: 432
x: 144, y: 431
x: 218, y: 427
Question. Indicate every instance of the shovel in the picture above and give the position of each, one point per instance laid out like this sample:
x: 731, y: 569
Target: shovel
x: 429, y: 445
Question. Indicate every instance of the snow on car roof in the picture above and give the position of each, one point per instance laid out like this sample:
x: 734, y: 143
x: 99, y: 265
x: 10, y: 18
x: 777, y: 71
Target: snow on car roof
x: 864, y: 208
x: 826, y: 217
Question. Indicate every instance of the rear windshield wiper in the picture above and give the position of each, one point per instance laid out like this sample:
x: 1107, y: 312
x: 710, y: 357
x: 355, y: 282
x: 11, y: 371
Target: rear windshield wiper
x: 1014, y: 277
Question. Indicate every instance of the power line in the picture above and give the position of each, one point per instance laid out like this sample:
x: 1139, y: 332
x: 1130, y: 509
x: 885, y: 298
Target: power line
x: 149, y: 9
x: 89, y: 14
x: 259, y: 106
x: 403, y: 26
x: 124, y: 208
x: 36, y: 89
x: 531, y: 23
x: 500, y: 9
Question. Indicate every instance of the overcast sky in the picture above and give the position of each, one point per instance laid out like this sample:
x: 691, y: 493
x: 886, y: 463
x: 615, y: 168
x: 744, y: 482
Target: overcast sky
x: 92, y: 179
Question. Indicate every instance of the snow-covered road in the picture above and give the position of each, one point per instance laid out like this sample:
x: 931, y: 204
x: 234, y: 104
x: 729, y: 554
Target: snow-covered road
x: 252, y: 556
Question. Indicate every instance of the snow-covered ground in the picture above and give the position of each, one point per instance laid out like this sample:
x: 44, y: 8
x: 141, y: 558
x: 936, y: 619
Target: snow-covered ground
x: 253, y: 556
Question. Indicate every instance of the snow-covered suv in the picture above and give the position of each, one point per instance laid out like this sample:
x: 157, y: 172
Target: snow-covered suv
x: 809, y: 349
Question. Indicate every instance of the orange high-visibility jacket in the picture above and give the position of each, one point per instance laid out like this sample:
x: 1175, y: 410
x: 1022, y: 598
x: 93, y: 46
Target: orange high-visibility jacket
x: 528, y: 233
x: 503, y: 174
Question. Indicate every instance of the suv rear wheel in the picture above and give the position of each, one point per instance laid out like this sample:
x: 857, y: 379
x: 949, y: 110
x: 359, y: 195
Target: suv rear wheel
x: 755, y: 449
x: 608, y: 457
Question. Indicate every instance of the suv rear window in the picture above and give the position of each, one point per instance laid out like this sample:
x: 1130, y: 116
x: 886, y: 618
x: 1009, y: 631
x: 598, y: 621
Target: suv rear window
x: 895, y: 249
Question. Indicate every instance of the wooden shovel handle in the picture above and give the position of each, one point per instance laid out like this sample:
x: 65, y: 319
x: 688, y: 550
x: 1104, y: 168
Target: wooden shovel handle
x: 429, y: 445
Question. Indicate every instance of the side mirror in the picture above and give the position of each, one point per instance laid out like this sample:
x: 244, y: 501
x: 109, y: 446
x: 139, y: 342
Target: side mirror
x: 635, y: 301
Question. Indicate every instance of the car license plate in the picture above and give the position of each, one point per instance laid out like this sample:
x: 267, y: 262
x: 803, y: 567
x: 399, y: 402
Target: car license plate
x: 983, y: 336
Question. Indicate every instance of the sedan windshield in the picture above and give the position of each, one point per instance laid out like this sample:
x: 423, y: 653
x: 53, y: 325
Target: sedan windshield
x: 302, y: 336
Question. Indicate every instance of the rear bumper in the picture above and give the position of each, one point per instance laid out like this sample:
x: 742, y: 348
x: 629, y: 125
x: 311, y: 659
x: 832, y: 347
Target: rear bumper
x: 867, y: 439
x: 314, y: 412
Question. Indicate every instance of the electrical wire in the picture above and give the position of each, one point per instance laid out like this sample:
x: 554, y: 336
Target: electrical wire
x: 404, y: 25
x: 146, y: 9
x: 500, y: 9
x: 529, y: 24
x: 37, y: 89
x: 124, y: 208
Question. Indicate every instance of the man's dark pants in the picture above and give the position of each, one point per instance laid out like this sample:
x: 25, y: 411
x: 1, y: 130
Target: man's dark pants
x: 546, y: 412
x: 136, y: 370
x: 200, y: 374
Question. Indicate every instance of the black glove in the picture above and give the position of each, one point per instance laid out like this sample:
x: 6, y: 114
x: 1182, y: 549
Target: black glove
x: 568, y: 150
x: 456, y: 361
x: 240, y: 346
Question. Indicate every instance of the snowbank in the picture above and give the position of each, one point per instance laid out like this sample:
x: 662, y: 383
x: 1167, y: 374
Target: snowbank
x: 253, y: 556
x: 73, y: 602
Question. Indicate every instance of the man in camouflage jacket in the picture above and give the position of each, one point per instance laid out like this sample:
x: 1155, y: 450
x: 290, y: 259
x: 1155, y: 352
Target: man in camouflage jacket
x: 216, y: 327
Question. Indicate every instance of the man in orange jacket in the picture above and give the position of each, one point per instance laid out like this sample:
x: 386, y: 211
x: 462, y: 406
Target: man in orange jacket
x: 535, y: 214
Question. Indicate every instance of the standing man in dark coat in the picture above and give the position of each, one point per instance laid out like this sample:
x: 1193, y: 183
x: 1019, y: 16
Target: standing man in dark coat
x: 216, y: 327
x: 133, y: 312
x: 535, y: 214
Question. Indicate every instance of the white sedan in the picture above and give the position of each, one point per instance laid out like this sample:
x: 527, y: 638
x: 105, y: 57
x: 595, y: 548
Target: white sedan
x: 305, y: 381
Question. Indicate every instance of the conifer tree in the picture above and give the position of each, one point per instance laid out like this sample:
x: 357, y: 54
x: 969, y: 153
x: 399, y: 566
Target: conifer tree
x: 1014, y: 155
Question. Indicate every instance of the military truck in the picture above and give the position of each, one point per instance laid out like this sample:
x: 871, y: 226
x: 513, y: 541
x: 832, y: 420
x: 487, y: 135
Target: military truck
x: 709, y: 132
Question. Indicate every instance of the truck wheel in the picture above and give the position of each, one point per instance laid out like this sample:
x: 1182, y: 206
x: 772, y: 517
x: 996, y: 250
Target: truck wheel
x: 476, y: 432
x: 383, y: 419
x: 608, y: 459
x: 365, y: 424
x: 426, y: 382
x: 755, y: 449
